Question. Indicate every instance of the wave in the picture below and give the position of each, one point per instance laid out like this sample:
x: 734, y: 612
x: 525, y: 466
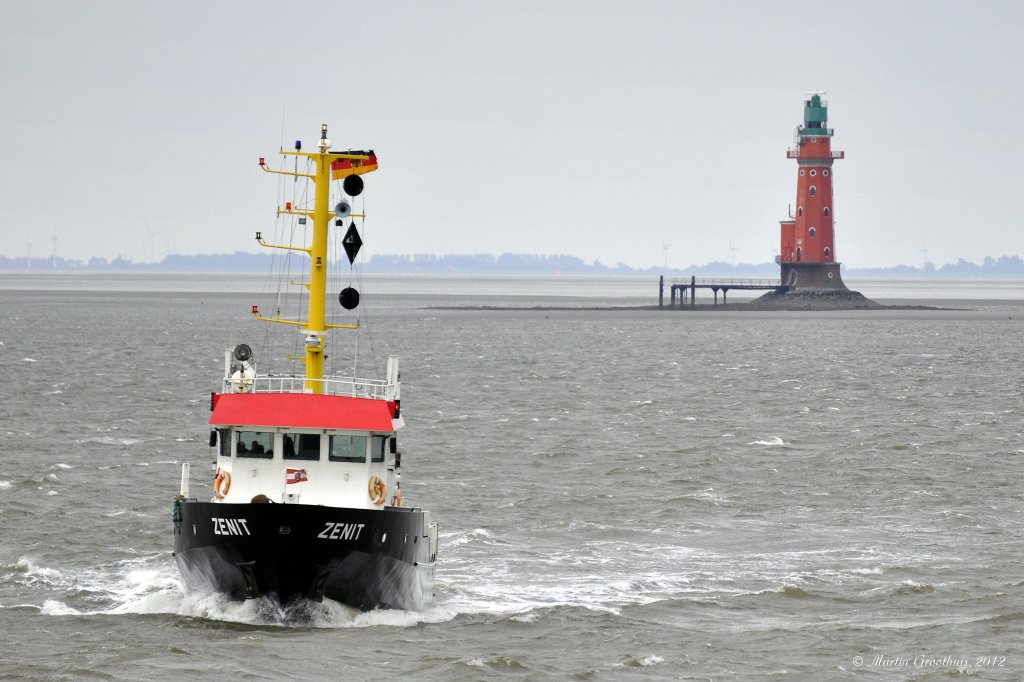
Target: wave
x: 151, y: 586
x: 108, y: 440
x: 496, y: 663
x: 786, y: 590
x: 911, y: 587
x: 774, y: 440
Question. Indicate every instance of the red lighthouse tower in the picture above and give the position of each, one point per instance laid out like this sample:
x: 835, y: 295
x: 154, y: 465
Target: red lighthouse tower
x: 808, y: 253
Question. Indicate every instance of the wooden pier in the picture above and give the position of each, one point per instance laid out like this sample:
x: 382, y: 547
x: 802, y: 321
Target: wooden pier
x: 685, y: 290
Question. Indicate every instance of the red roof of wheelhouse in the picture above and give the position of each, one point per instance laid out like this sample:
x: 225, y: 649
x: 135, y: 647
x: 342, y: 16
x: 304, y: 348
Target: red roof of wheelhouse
x: 302, y: 410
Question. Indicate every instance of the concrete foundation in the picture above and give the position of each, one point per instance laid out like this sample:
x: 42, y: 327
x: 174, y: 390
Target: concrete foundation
x: 805, y: 276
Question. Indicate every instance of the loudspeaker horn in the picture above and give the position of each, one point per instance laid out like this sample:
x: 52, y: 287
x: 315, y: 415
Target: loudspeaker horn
x: 342, y: 209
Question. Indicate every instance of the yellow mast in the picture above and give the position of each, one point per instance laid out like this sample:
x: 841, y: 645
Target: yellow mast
x: 315, y: 323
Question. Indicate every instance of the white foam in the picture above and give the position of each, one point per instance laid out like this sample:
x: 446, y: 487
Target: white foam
x: 29, y: 360
x: 141, y: 586
x: 774, y: 440
x: 107, y: 440
x: 29, y: 567
x: 5, y: 484
x: 52, y: 607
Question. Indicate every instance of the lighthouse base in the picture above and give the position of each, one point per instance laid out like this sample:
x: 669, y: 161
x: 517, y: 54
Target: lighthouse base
x: 806, y: 276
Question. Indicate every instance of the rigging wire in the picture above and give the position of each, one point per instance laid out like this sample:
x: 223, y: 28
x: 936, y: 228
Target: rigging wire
x: 357, y: 270
x: 280, y: 302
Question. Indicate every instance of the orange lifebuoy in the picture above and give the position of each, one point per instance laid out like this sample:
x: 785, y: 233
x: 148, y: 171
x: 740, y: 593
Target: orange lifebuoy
x: 221, y: 484
x: 377, y: 490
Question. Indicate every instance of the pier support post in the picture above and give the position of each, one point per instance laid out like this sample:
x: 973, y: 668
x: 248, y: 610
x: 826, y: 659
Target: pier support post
x: 661, y: 292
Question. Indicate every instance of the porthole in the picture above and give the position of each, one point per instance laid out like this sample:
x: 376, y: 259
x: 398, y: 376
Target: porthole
x: 814, y: 173
x: 824, y: 172
x: 801, y: 172
x: 814, y: 190
x: 811, y: 232
x: 830, y: 275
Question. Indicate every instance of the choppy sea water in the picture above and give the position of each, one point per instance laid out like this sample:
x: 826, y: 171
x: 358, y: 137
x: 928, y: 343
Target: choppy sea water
x: 621, y: 494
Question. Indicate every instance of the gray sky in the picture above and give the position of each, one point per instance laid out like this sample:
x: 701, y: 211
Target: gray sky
x: 596, y: 129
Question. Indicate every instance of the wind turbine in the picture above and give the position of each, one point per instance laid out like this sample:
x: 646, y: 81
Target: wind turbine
x: 733, y: 250
x: 664, y: 251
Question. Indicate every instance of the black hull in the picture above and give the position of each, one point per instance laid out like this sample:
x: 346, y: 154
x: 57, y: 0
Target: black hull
x: 363, y: 558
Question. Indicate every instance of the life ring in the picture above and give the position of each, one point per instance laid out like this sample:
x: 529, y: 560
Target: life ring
x: 377, y: 490
x: 221, y: 484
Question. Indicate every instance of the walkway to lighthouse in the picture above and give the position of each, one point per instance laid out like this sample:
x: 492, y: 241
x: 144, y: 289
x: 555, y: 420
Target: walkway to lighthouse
x: 685, y: 290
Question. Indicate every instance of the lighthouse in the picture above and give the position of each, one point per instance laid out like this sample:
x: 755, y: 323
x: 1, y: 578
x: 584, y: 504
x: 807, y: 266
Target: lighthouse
x: 807, y: 253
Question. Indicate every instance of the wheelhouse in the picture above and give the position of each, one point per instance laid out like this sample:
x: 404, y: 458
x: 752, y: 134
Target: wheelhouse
x: 306, y: 466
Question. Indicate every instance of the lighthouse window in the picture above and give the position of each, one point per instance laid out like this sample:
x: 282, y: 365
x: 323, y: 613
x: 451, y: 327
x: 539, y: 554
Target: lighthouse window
x: 801, y: 172
x: 828, y: 252
x: 814, y: 173
x: 800, y: 210
x: 826, y: 210
x: 824, y: 172
x: 255, y: 444
x: 813, y: 190
x: 302, y: 446
x: 347, y: 449
x: 811, y: 232
x: 377, y: 448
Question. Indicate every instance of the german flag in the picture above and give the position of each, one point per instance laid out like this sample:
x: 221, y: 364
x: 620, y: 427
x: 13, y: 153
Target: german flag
x: 363, y: 162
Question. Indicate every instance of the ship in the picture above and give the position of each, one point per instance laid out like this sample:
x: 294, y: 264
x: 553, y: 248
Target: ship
x: 306, y: 500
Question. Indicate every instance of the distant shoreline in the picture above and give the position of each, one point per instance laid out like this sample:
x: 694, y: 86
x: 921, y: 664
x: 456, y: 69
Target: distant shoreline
x: 504, y: 265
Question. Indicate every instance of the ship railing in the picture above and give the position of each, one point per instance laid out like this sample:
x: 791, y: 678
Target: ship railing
x: 376, y: 389
x: 794, y: 153
x: 713, y: 281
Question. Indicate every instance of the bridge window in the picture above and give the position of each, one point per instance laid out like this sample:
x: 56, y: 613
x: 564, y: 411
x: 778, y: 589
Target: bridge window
x: 302, y: 446
x: 378, y: 448
x: 224, y: 436
x: 347, y: 449
x: 811, y: 232
x: 255, y: 444
x: 813, y: 190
